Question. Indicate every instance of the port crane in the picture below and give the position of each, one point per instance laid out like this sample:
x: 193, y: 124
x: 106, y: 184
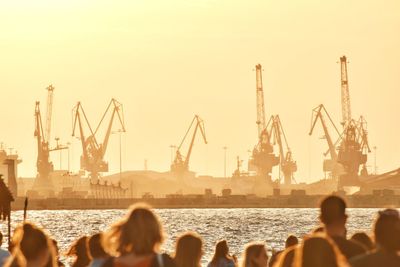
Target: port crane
x: 331, y: 165
x: 354, y: 145
x: 43, y: 163
x: 92, y: 159
x: 180, y: 165
x: 287, y: 165
x: 262, y: 159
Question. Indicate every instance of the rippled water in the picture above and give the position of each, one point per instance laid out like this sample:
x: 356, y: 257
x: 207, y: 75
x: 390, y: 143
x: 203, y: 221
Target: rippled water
x: 238, y: 226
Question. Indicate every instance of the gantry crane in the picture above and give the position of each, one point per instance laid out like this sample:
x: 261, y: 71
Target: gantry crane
x: 263, y: 158
x: 287, y: 165
x: 43, y: 163
x: 331, y: 165
x: 180, y: 165
x: 92, y: 159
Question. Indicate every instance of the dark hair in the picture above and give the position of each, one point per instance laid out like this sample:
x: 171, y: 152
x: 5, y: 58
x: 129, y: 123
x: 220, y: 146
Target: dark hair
x: 291, y: 241
x: 333, y: 208
x: 318, y: 251
x: 95, y: 248
x: 79, y: 249
x: 252, y: 251
x: 387, y: 230
x: 1, y: 238
x: 29, y: 242
x: 363, y: 239
x: 221, y: 251
x: 139, y: 232
x: 188, y: 250
x: 319, y: 229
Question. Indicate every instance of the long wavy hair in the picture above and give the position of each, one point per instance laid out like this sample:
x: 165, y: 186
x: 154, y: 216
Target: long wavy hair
x: 189, y: 249
x: 30, y: 242
x: 221, y: 252
x: 139, y: 232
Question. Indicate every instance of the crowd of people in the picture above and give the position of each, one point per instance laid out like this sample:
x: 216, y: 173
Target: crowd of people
x: 135, y: 241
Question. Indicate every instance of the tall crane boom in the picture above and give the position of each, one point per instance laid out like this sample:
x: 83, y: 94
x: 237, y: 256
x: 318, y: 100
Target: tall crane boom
x: 260, y: 100
x: 346, y: 108
x: 93, y: 152
x: 50, y: 90
x: 180, y: 164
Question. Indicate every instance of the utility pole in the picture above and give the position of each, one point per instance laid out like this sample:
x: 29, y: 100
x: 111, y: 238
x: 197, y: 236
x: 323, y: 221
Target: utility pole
x: 225, y: 148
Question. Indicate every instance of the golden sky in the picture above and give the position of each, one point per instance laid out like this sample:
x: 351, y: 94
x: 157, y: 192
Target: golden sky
x: 168, y: 60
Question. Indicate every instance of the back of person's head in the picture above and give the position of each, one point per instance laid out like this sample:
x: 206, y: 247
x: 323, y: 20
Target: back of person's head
x: 363, y: 239
x: 78, y: 249
x: 95, y: 247
x: 189, y: 249
x: 31, y: 246
x: 221, y: 251
x: 333, y: 210
x: 291, y: 241
x: 255, y: 255
x: 1, y: 238
x: 139, y: 232
x: 318, y: 251
x: 285, y: 259
x: 387, y: 230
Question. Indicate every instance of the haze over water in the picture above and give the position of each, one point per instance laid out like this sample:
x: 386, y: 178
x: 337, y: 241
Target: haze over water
x: 237, y: 226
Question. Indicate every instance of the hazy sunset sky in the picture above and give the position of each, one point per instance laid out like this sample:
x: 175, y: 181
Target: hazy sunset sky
x: 168, y: 60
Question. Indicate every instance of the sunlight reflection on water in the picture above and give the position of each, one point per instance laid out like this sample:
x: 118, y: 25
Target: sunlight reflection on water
x: 237, y: 226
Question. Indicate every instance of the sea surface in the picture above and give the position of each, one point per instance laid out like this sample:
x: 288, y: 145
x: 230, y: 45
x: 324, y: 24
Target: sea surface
x: 237, y: 226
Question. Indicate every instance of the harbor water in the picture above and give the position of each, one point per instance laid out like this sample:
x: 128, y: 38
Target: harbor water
x: 237, y: 226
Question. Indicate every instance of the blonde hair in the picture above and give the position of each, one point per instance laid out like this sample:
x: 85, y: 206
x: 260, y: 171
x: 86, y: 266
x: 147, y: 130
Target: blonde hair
x: 139, y: 232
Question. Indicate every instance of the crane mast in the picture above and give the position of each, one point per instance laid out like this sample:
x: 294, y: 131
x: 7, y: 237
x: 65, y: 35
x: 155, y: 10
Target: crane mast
x: 346, y: 108
x: 260, y: 101
x: 50, y: 90
x: 180, y: 165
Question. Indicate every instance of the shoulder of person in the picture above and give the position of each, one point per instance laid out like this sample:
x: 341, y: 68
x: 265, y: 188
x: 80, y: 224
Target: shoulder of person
x: 366, y: 260
x: 357, y: 247
x: 109, y: 262
x: 163, y: 260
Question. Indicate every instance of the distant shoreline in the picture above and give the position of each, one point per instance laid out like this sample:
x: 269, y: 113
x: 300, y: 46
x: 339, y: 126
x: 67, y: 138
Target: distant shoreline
x: 202, y: 202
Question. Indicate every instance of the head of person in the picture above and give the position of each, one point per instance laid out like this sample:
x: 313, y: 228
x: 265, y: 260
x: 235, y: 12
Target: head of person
x: 333, y: 214
x: 140, y: 232
x: 31, y: 246
x: 291, y: 241
x: 387, y: 230
x: 363, y: 239
x: 1, y: 238
x: 221, y: 252
x: 95, y: 247
x: 255, y: 255
x: 79, y: 250
x: 189, y: 250
x: 318, y: 251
